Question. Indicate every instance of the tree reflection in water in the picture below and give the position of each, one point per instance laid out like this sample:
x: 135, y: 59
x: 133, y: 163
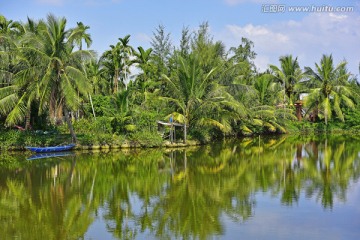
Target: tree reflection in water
x: 182, y: 193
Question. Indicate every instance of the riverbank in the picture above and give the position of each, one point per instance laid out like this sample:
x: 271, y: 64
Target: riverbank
x: 14, y: 140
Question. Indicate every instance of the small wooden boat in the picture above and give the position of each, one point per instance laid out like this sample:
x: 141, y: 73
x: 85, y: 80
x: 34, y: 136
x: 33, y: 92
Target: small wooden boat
x: 51, y: 149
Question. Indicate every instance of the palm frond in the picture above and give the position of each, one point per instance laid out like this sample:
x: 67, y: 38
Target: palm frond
x: 18, y: 112
x: 224, y: 126
x: 8, y: 103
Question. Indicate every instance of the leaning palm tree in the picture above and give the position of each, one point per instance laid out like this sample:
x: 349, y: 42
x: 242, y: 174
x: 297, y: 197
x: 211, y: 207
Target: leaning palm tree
x: 332, y: 87
x: 50, y: 72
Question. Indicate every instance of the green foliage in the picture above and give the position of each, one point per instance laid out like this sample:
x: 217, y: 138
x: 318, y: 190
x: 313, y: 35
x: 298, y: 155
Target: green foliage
x: 121, y: 124
x: 94, y: 126
x: 146, y: 138
x: 201, y: 134
x: 103, y: 106
x: 352, y: 117
x: 19, y: 139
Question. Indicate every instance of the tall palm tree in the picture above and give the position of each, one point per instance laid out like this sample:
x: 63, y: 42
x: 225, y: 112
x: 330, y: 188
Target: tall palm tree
x: 95, y: 73
x: 126, y: 52
x: 116, y: 62
x: 331, y: 88
x: 52, y: 72
x: 142, y: 61
x: 112, y: 61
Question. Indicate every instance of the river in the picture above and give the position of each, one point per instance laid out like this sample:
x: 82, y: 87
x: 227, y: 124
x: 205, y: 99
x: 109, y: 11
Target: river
x: 285, y: 187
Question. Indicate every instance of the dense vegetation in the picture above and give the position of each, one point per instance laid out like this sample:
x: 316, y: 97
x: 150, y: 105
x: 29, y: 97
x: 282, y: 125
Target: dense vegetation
x: 49, y: 82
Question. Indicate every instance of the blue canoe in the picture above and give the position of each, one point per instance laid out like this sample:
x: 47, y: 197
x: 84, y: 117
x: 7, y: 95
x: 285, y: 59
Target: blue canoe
x: 51, y: 149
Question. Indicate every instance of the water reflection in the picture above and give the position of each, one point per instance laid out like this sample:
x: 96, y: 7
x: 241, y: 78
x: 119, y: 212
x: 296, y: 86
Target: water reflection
x: 170, y: 194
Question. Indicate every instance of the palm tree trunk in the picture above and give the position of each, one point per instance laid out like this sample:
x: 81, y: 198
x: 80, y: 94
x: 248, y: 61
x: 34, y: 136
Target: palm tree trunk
x: 70, y: 126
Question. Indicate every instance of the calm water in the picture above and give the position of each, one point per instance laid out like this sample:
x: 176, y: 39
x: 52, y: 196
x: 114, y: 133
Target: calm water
x: 273, y: 188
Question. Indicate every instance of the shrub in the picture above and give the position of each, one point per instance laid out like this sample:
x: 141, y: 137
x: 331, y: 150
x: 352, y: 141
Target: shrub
x: 146, y: 138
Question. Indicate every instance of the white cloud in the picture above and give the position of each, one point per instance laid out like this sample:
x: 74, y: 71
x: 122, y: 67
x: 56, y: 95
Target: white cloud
x: 308, y: 38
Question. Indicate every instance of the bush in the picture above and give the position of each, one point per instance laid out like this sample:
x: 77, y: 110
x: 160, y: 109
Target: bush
x: 86, y: 126
x: 146, y: 139
x: 201, y: 134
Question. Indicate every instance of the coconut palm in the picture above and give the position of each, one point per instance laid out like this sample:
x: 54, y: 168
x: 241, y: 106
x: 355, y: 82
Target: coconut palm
x: 198, y: 98
x: 11, y: 35
x: 51, y: 73
x: 331, y: 88
x: 79, y: 34
x: 263, y: 111
x: 288, y: 75
x: 10, y: 31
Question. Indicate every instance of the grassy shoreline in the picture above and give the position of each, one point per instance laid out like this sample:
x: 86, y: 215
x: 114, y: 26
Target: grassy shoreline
x: 14, y: 140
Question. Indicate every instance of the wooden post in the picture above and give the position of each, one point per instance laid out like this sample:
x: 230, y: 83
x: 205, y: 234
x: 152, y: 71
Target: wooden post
x: 174, y: 134
x: 185, y: 132
x: 170, y: 135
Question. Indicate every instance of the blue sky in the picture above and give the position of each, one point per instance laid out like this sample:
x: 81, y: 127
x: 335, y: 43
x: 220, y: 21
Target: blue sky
x: 306, y: 35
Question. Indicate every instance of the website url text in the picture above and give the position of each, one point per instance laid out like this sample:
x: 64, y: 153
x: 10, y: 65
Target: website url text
x: 282, y: 8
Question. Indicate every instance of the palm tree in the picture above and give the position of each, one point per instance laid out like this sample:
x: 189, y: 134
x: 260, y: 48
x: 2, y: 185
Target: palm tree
x: 263, y: 111
x: 79, y: 34
x: 199, y: 99
x: 126, y: 52
x: 288, y: 75
x: 95, y: 73
x: 332, y: 87
x: 117, y: 62
x: 11, y: 36
x: 112, y: 60
x: 10, y: 31
x: 142, y: 61
x: 52, y: 73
